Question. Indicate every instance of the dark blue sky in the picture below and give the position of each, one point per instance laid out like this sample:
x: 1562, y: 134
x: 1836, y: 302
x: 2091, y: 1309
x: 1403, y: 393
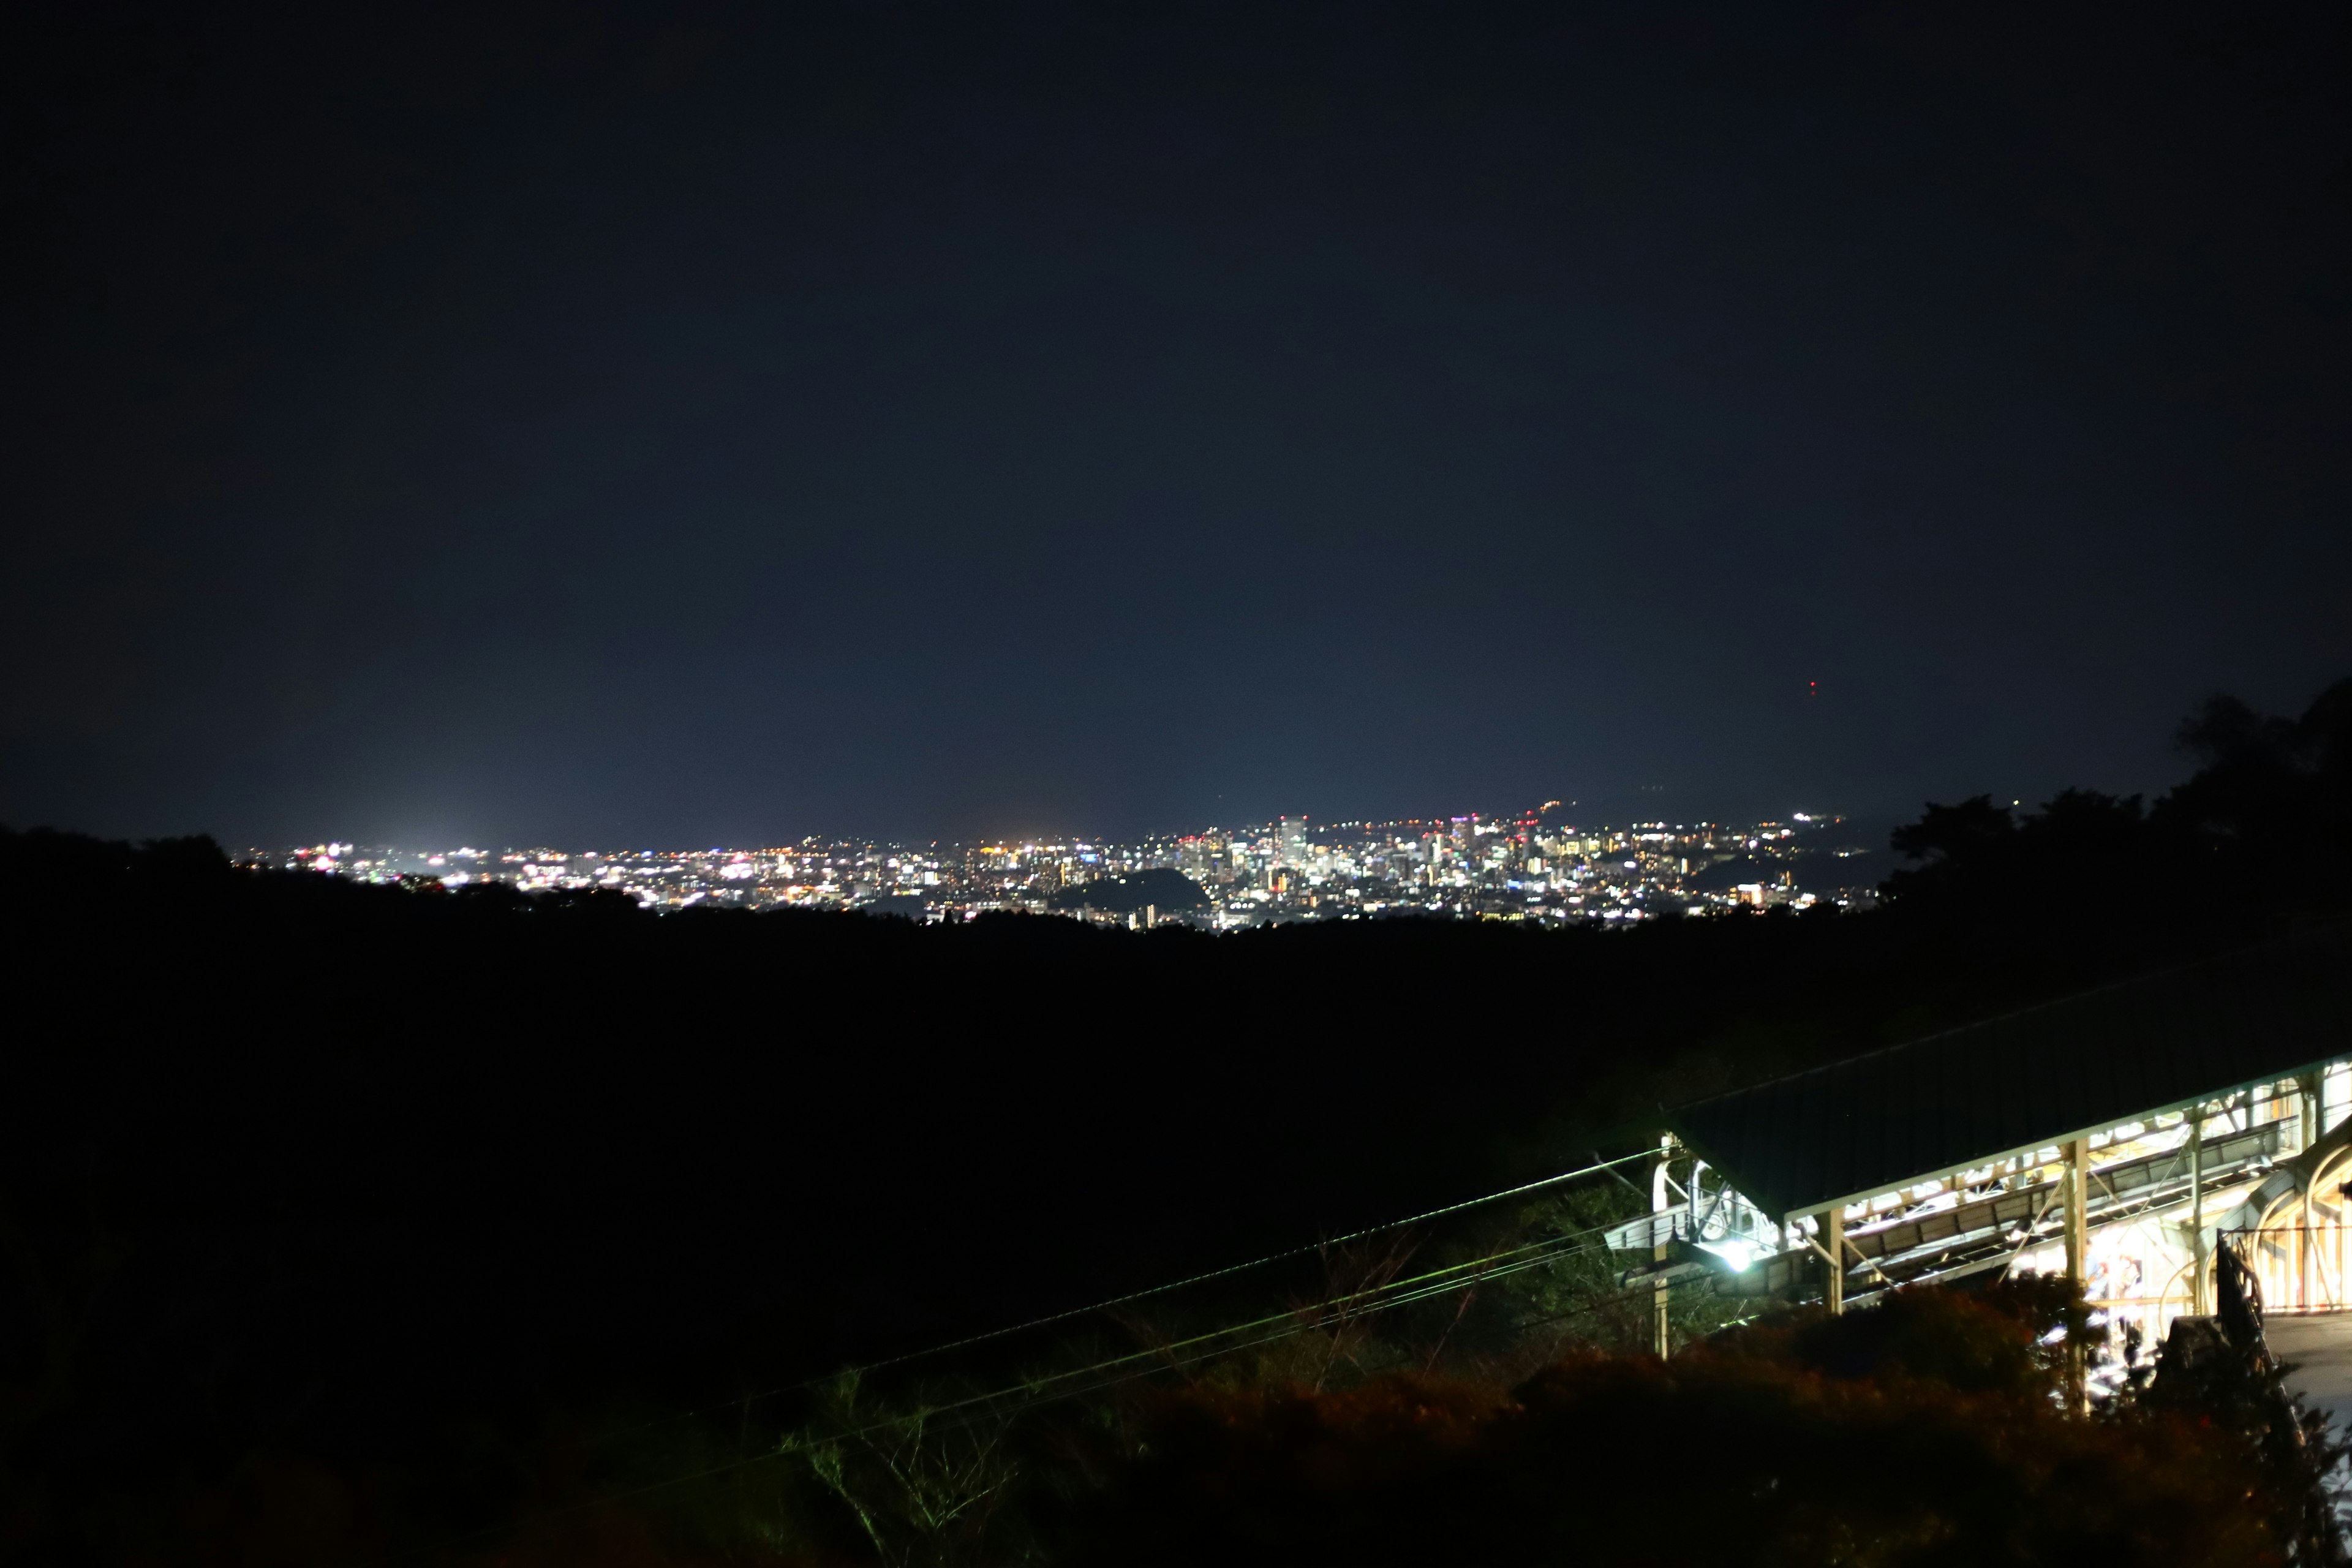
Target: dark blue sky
x: 726, y: 424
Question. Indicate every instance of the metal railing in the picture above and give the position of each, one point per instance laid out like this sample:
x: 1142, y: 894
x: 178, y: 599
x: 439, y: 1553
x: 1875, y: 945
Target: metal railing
x: 2301, y: 1268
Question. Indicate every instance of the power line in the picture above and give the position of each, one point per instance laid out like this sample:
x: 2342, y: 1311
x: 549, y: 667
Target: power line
x: 1398, y: 1293
x: 963, y: 1412
x: 1160, y: 1365
x: 1063, y: 1317
x: 1158, y: 1360
x: 1075, y: 1312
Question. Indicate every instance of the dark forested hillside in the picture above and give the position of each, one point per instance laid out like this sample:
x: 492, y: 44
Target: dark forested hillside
x: 383, y: 1176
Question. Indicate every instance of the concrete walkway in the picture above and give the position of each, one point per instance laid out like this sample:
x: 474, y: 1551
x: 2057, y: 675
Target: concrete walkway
x: 2319, y: 1347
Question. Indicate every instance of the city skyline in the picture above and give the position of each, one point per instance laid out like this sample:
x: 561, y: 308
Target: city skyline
x: 1516, y: 866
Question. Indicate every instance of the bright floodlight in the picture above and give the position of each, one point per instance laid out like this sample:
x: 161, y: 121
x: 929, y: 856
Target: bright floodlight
x: 1735, y: 1252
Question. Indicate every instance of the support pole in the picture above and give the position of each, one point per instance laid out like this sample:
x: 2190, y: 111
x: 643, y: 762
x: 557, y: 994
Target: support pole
x: 1662, y: 1248
x: 2077, y: 1226
x: 1833, y: 1243
x: 2197, y: 1210
x: 2306, y: 1110
x: 2078, y: 1259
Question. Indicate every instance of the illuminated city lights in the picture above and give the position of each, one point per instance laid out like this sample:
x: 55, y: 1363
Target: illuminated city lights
x: 1518, y: 867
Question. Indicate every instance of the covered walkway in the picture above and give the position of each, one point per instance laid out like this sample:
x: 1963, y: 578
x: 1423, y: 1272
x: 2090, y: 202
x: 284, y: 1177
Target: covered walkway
x: 2116, y: 1136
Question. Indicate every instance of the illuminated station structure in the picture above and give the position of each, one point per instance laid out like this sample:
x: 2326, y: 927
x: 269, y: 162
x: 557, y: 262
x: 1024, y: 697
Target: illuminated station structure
x: 2120, y: 1136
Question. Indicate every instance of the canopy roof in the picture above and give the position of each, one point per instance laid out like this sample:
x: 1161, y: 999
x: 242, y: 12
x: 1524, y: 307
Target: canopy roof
x: 1919, y: 1111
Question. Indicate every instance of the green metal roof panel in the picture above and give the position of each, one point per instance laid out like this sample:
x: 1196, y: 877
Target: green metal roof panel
x: 1932, y: 1105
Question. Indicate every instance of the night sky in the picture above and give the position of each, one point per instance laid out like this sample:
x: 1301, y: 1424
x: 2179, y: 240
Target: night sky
x: 617, y: 426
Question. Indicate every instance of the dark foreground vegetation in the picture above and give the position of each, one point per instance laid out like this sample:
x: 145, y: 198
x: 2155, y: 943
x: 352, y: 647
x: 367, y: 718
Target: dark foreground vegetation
x: 345, y: 1222
x: 1930, y: 1429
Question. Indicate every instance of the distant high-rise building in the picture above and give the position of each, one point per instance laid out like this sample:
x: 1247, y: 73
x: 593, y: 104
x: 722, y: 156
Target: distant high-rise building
x: 1290, y: 840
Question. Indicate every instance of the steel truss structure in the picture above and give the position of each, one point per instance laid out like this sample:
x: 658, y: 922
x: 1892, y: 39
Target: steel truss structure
x: 1909, y: 1166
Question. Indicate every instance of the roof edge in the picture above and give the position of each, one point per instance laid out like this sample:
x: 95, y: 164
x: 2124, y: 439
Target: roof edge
x: 2340, y: 926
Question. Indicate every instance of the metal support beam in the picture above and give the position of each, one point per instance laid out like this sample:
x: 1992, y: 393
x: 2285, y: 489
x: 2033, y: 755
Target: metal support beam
x: 2078, y: 1259
x: 1833, y: 1235
x: 2077, y: 1156
x: 2199, y: 1264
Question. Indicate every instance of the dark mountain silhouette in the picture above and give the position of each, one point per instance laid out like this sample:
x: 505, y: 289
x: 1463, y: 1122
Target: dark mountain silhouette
x: 1822, y: 871
x: 1167, y: 889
